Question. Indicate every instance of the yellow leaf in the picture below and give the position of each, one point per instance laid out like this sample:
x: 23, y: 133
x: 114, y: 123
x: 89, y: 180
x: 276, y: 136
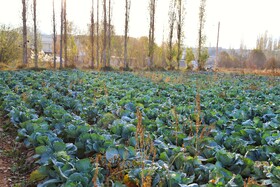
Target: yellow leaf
x: 128, y: 182
x: 147, y: 182
x: 36, y: 176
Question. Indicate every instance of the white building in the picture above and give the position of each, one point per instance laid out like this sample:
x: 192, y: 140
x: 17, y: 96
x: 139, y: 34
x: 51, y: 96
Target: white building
x: 47, y: 43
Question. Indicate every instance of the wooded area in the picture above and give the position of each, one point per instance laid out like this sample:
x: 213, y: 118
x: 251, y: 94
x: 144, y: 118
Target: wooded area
x: 101, y: 44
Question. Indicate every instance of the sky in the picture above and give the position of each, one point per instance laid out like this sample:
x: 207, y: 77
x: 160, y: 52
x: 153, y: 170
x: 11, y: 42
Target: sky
x: 242, y: 21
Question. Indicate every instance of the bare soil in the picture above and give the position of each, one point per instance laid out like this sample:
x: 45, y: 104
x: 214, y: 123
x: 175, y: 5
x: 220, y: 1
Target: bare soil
x: 5, y: 160
x: 13, y: 170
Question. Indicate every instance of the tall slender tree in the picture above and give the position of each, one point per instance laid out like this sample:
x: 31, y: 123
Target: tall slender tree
x: 97, y: 34
x: 109, y: 32
x: 92, y: 34
x: 127, y: 13
x: 35, y: 33
x: 104, y: 58
x: 163, y: 48
x: 201, y: 36
x: 61, y: 35
x: 24, y: 33
x: 152, y: 11
x: 180, y: 23
x: 65, y: 33
x: 54, y: 36
x: 171, y: 22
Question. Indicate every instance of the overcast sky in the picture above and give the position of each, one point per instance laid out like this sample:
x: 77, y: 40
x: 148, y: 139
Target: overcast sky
x: 241, y: 20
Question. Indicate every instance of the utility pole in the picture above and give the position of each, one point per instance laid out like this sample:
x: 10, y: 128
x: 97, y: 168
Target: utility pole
x: 217, y: 46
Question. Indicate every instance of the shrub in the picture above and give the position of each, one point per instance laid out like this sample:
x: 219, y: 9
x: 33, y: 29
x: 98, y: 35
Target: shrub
x: 271, y: 64
x: 256, y: 59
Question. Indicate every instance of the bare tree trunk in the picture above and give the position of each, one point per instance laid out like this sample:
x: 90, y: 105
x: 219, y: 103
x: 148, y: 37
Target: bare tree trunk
x: 180, y: 8
x: 109, y: 33
x: 92, y: 35
x: 54, y: 37
x: 65, y: 34
x: 152, y: 9
x: 97, y: 34
x: 105, y: 33
x: 127, y: 13
x: 163, y: 46
x: 201, y: 38
x: 172, y: 17
x: 35, y: 33
x: 61, y: 34
x: 24, y: 33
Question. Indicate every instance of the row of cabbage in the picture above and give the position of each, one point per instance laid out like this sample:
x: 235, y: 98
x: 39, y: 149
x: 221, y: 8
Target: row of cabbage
x: 72, y: 117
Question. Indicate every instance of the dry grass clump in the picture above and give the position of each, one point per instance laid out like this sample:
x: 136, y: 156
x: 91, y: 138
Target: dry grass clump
x: 265, y: 72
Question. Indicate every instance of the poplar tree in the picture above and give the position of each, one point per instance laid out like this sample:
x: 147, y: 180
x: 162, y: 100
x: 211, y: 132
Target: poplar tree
x: 92, y: 35
x: 104, y: 57
x: 61, y: 34
x: 97, y: 35
x: 24, y: 33
x: 201, y: 36
x: 152, y: 11
x: 65, y: 34
x: 171, y: 22
x: 54, y: 36
x: 35, y: 33
x: 127, y: 13
x: 180, y: 24
x: 109, y: 32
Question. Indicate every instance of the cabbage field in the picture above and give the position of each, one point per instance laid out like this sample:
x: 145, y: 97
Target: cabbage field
x: 165, y: 129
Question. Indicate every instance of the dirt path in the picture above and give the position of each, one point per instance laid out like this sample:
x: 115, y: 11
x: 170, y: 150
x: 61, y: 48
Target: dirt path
x: 12, y: 157
x: 5, y: 160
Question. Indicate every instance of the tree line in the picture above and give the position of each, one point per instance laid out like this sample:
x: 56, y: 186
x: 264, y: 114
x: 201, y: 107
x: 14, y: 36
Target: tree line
x: 103, y: 48
x: 101, y: 55
x: 265, y: 55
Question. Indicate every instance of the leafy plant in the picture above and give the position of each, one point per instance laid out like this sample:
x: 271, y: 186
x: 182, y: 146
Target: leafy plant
x: 154, y: 129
